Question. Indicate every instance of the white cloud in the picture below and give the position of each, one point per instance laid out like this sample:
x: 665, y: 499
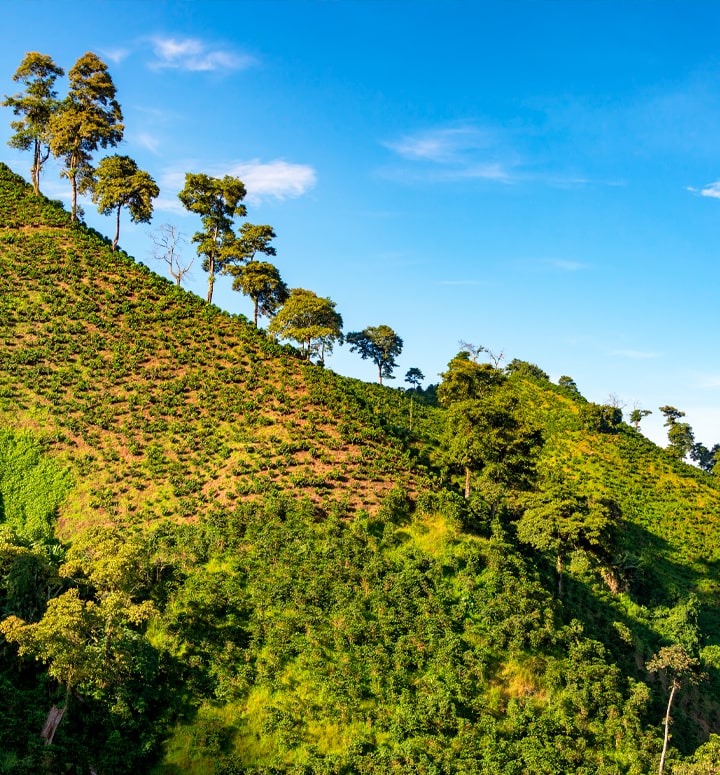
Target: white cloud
x: 455, y: 153
x: 170, y: 205
x: 195, y: 55
x: 483, y: 172
x: 712, y: 190
x: 278, y: 179
x: 442, y: 146
x: 174, y: 179
x: 115, y: 55
x: 146, y: 140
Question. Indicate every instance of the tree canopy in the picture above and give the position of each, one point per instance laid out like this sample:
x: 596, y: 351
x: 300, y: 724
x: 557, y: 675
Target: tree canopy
x: 218, y: 201
x: 309, y: 320
x: 119, y: 183
x: 414, y: 377
x: 261, y: 281
x: 559, y: 519
x: 680, y: 435
x: 87, y: 119
x: 35, y: 107
x: 380, y: 344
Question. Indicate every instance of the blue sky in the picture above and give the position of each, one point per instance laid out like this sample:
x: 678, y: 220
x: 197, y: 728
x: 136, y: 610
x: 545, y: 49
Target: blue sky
x: 541, y: 178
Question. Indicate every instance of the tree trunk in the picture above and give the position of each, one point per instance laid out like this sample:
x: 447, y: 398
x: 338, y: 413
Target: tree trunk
x: 36, y: 168
x: 467, y: 483
x: 667, y: 727
x: 256, y: 311
x: 73, y: 184
x: 211, y: 279
x: 559, y: 568
x: 117, y: 229
x: 54, y: 717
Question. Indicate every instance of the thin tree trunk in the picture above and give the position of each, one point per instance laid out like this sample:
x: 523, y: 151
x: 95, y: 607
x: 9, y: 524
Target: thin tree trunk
x: 255, y: 318
x: 211, y: 279
x: 73, y: 183
x: 467, y: 483
x: 667, y: 728
x: 52, y: 722
x: 36, y: 168
x: 117, y: 229
x: 559, y: 568
x: 54, y: 717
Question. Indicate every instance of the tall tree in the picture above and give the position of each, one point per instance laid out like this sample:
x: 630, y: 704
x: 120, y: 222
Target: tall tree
x: 704, y: 457
x: 569, y: 384
x: 217, y: 201
x: 254, y: 239
x: 261, y: 281
x: 680, y: 667
x: 309, y: 320
x: 87, y: 119
x: 380, y: 344
x: 467, y: 379
x: 680, y: 435
x: 636, y: 416
x: 413, y: 377
x: 119, y: 183
x: 167, y: 240
x: 484, y: 432
x: 38, y: 73
x: 559, y: 519
x: 526, y: 369
x: 487, y: 437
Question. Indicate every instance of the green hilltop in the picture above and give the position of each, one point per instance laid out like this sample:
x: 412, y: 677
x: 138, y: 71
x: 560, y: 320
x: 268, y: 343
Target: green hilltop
x: 217, y: 557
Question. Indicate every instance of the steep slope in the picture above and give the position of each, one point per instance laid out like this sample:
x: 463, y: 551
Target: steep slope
x: 263, y: 570
x: 670, y: 511
x: 163, y: 405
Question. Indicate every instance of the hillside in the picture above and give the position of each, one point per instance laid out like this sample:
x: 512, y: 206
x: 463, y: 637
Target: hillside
x: 162, y: 402
x: 218, y: 558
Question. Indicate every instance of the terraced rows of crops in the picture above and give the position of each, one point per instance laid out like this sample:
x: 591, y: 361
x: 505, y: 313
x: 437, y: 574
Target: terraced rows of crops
x: 164, y: 404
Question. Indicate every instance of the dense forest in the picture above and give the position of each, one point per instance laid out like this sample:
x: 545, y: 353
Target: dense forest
x: 218, y: 556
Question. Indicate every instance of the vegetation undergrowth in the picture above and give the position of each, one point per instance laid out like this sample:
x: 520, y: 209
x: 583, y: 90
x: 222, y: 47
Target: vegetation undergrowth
x: 216, y: 557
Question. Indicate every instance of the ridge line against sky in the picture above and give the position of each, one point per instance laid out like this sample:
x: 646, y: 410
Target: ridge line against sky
x: 537, y: 177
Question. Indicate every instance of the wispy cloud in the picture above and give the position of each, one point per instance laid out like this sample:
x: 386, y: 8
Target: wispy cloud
x: 170, y: 205
x: 277, y: 179
x: 635, y: 354
x: 195, y: 55
x: 442, y: 146
x: 146, y: 140
x: 115, y: 55
x: 456, y: 153
x: 490, y: 171
x: 711, y: 190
